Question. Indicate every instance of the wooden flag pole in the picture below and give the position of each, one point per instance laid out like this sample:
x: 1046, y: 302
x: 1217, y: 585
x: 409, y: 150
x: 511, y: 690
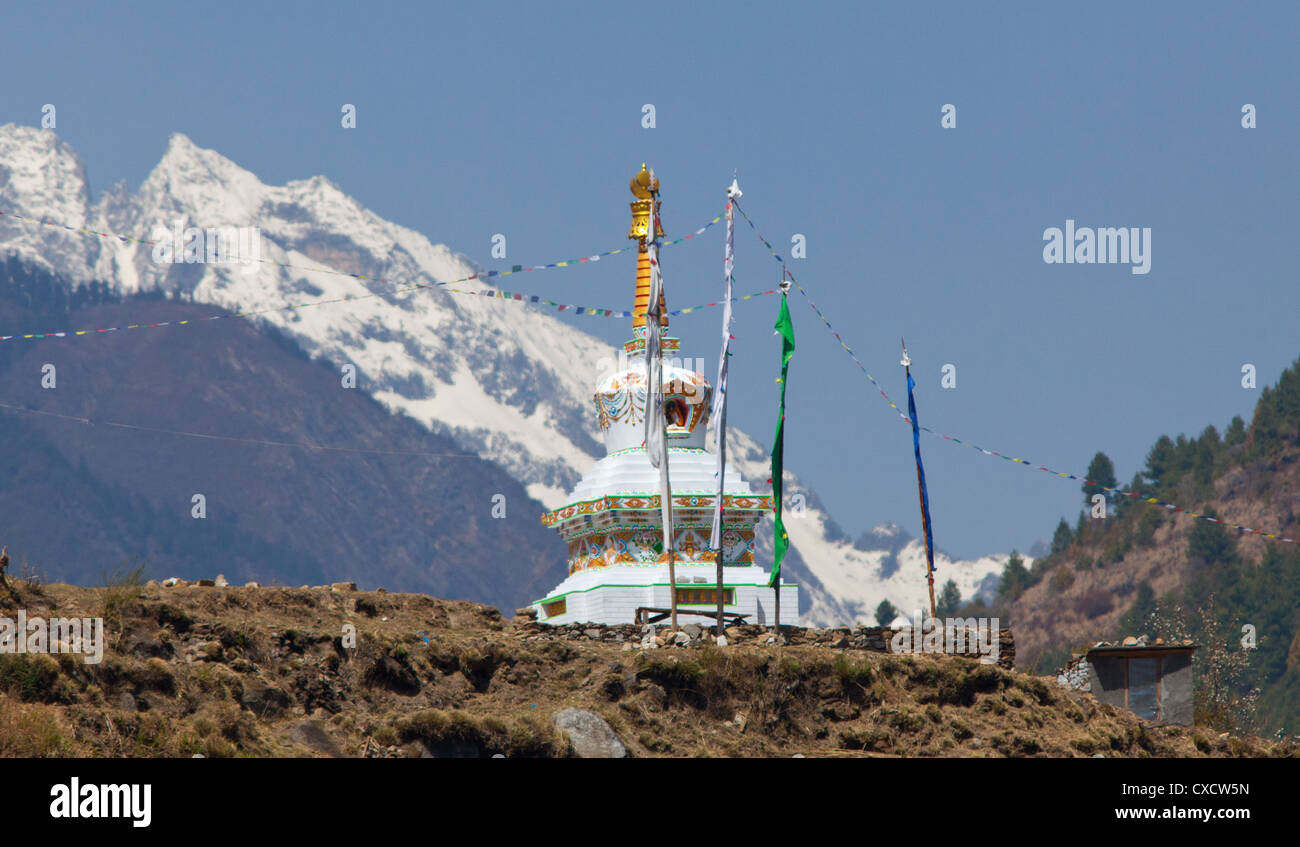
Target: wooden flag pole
x: 778, y: 610
x: 720, y: 524
x: 920, y: 486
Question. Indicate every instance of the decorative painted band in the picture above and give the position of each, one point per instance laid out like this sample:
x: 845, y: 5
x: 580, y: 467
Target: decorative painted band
x: 756, y: 502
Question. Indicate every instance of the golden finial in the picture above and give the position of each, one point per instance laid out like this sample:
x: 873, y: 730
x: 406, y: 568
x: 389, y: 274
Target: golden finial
x: 644, y: 184
x: 645, y: 187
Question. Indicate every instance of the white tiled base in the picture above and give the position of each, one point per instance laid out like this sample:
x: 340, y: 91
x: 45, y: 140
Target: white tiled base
x: 612, y: 595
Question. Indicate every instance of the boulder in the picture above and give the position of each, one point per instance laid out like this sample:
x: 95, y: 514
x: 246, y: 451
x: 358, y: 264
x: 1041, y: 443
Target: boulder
x: 591, y: 736
x: 265, y: 700
x: 312, y: 734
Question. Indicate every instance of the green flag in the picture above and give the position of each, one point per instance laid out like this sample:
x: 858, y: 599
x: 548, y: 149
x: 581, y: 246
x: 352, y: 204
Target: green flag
x: 782, y: 540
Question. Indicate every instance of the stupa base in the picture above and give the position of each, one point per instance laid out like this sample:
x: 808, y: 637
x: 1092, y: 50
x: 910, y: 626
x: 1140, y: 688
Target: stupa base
x: 612, y: 595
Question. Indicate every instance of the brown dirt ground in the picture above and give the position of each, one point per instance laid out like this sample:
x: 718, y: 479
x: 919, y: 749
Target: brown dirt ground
x: 262, y: 672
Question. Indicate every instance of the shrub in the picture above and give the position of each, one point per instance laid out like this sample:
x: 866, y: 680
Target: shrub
x: 30, y: 676
x: 1061, y: 581
x: 1094, y: 603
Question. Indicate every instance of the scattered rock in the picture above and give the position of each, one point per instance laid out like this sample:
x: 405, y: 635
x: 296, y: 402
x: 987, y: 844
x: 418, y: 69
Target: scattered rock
x: 343, y: 586
x: 721, y: 641
x: 210, y: 651
x: 656, y: 694
x: 311, y: 733
x: 693, y: 630
x: 126, y: 702
x: 171, y: 582
x: 251, y: 584
x: 221, y: 581
x: 208, y: 583
x: 146, y: 647
x: 591, y: 736
x: 265, y: 700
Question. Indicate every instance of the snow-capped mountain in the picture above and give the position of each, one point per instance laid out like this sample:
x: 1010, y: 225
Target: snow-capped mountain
x: 508, y: 382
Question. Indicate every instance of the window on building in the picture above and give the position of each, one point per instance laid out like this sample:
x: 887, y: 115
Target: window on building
x: 556, y: 607
x: 705, y: 596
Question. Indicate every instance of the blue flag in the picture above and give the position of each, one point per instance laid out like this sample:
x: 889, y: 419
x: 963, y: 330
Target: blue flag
x: 920, y: 476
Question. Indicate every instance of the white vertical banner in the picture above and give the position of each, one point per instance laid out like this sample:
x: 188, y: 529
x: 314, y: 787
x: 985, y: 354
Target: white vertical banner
x: 656, y: 439
x: 718, y: 416
x: 655, y: 421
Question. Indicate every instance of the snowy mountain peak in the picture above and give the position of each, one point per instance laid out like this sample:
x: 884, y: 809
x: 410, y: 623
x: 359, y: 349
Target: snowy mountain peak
x: 202, y: 182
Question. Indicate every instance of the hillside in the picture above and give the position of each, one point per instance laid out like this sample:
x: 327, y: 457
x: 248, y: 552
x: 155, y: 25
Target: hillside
x: 1147, y: 570
x: 264, y: 671
x: 79, y: 500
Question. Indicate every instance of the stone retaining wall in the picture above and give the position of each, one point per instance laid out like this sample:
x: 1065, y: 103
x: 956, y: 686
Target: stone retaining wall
x: 874, y: 639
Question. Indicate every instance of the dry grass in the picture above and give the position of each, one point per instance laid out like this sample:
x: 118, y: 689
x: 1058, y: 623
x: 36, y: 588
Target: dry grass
x: 263, y: 672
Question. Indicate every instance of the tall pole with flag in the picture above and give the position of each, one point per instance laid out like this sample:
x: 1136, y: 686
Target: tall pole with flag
x: 719, y: 414
x: 656, y: 423
x: 781, y: 540
x: 920, y: 478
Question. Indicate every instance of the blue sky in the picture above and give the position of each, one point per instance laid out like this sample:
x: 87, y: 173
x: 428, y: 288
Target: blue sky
x: 525, y: 119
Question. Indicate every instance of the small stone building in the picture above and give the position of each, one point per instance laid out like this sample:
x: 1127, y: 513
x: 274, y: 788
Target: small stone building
x: 1154, y: 681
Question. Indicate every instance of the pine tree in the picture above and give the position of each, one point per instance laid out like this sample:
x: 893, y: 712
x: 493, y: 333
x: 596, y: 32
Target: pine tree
x: 1015, y: 578
x: 1062, y: 538
x: 1101, y: 472
x: 949, y: 600
x: 1211, y: 543
x: 1236, y: 433
x: 1135, y: 620
x: 885, y: 613
x: 1160, y: 461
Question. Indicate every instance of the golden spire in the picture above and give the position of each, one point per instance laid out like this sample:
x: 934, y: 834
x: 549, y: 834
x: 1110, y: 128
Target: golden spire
x: 645, y: 187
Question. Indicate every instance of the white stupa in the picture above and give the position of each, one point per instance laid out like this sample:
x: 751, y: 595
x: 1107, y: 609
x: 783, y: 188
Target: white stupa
x: 612, y: 524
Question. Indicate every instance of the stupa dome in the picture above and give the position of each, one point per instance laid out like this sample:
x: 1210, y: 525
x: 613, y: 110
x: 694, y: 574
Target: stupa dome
x: 620, y: 400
